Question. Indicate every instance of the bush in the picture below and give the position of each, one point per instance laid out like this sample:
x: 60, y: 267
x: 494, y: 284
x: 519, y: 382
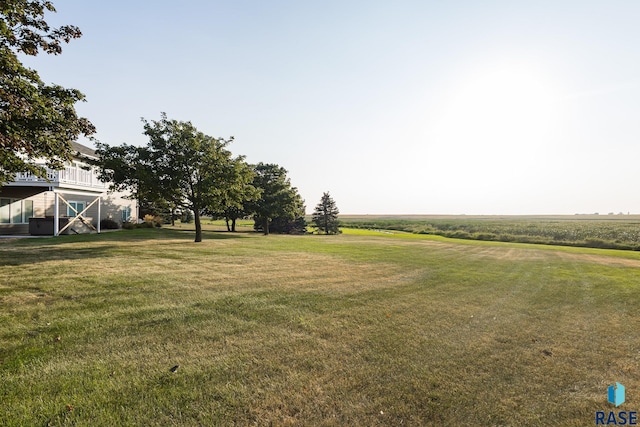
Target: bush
x: 283, y: 225
x: 187, y: 217
x: 153, y: 221
x: 129, y: 226
x: 108, y: 224
x: 485, y: 236
x: 600, y: 244
x: 458, y: 234
x: 133, y: 226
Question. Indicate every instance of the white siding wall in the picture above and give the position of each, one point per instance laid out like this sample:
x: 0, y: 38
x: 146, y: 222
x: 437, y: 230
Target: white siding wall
x: 112, y: 206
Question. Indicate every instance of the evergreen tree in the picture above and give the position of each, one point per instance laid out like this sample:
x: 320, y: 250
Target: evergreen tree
x: 325, y: 216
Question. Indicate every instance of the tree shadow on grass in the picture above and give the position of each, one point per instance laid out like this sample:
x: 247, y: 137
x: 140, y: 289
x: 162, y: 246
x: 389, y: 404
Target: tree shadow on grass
x: 87, y: 246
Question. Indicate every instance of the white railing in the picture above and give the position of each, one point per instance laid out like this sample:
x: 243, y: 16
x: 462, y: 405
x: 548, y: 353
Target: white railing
x: 71, y: 174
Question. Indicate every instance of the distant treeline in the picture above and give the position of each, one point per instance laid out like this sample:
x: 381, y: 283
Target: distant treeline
x: 612, y: 234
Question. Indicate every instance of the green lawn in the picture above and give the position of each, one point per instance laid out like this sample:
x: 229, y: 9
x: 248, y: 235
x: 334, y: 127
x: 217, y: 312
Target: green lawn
x: 363, y: 328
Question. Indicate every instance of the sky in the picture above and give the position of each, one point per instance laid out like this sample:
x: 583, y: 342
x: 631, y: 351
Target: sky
x: 404, y: 107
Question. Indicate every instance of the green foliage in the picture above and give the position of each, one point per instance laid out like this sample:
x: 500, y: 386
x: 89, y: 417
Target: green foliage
x: 235, y: 201
x: 151, y: 223
x: 129, y: 226
x: 37, y: 121
x: 108, y: 224
x: 124, y: 167
x: 283, y: 225
x: 187, y: 217
x: 325, y: 216
x: 180, y: 167
x: 280, y: 208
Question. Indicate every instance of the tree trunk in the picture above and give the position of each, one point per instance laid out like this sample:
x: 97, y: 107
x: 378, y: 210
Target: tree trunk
x: 265, y: 226
x: 173, y: 211
x: 196, y: 218
x: 226, y: 219
x: 233, y: 225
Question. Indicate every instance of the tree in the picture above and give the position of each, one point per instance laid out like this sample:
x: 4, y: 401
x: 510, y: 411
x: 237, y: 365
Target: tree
x: 180, y: 165
x: 280, y: 207
x: 237, y: 197
x: 325, y: 216
x: 37, y: 121
x: 127, y: 168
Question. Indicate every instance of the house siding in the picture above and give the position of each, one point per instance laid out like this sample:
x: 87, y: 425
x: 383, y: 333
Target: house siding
x: 74, y: 183
x: 111, y: 207
x: 114, y: 203
x: 24, y: 193
x: 10, y: 229
x: 28, y: 193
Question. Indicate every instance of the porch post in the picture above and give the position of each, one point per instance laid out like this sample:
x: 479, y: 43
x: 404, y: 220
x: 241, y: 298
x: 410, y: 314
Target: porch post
x: 56, y: 215
x: 99, y: 204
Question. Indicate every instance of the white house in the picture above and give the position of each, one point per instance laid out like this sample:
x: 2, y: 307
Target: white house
x: 71, y: 200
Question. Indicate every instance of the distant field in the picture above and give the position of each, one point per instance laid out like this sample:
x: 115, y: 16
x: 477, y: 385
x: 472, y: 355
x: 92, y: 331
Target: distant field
x: 596, y: 231
x: 365, y: 328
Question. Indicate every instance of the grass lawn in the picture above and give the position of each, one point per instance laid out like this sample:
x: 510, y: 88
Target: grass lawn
x: 363, y: 328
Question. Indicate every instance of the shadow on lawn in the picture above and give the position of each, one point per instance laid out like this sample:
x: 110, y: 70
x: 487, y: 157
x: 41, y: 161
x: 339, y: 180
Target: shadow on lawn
x: 80, y: 247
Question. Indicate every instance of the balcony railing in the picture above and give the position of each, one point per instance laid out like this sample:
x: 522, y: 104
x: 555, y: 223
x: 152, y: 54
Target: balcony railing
x: 70, y: 175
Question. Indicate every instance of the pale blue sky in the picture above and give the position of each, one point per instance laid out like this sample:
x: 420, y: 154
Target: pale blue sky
x: 476, y: 107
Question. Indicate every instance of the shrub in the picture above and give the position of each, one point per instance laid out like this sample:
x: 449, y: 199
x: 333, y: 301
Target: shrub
x: 458, y: 234
x: 599, y: 243
x: 187, y: 217
x: 153, y: 221
x: 129, y: 226
x: 108, y: 224
x: 133, y: 226
x: 282, y: 225
x: 485, y: 236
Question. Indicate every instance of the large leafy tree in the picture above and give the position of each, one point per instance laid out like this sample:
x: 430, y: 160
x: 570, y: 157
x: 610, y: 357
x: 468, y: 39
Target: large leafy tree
x: 37, y: 121
x: 234, y: 203
x: 325, y: 216
x: 180, y: 165
x: 129, y: 168
x: 280, y: 207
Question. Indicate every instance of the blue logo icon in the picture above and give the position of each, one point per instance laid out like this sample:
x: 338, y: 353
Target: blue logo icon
x: 616, y: 394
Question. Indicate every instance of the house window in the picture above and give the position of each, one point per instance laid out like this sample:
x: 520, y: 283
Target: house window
x: 126, y: 214
x: 5, y: 212
x: 78, y: 206
x: 15, y: 211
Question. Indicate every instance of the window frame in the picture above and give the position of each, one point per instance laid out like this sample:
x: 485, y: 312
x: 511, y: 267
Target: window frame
x: 75, y: 203
x: 125, y: 215
x: 7, y: 210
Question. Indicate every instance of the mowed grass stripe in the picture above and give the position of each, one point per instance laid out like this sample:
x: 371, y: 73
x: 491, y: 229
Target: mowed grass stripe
x: 352, y: 329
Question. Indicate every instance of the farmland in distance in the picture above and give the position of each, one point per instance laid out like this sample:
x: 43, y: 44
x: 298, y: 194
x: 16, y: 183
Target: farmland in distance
x: 596, y: 231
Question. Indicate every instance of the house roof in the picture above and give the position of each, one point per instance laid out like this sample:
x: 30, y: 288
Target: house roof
x: 83, y: 149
